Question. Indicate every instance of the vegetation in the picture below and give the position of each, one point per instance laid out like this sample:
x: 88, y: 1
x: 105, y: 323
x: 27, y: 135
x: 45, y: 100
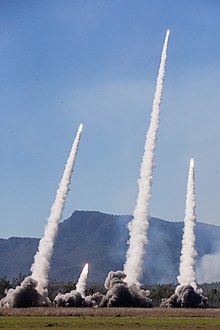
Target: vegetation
x: 4, y: 285
x: 107, y: 322
x: 160, y: 291
x: 212, y: 291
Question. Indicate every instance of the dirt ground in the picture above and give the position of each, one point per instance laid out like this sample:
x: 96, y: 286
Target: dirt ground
x: 112, y: 312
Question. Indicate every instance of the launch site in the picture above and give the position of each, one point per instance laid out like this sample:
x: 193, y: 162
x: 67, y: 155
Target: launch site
x: 110, y: 180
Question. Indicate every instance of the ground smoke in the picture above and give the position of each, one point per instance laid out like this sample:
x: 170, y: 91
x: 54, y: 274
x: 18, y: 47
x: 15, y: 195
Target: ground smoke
x: 120, y: 294
x: 25, y: 295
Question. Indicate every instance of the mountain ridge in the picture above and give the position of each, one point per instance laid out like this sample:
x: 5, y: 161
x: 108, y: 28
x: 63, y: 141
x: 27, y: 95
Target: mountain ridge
x: 101, y: 240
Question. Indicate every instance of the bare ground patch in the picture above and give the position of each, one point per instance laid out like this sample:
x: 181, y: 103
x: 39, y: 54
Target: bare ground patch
x: 112, y: 312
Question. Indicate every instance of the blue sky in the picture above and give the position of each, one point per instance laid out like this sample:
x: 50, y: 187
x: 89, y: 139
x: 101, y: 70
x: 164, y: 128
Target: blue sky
x: 96, y: 62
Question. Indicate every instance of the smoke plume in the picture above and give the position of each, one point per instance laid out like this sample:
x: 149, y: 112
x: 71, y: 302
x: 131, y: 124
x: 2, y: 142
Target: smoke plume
x: 209, y: 268
x: 32, y: 292
x: 93, y: 300
x: 81, y: 284
x: 41, y: 265
x: 120, y: 294
x: 138, y: 227
x: 69, y: 299
x: 188, y: 254
x: 187, y: 294
x: 25, y: 295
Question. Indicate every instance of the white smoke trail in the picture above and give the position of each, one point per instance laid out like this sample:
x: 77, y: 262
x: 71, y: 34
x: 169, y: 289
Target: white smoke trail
x: 81, y: 284
x: 41, y: 265
x: 188, y: 253
x: 139, y: 225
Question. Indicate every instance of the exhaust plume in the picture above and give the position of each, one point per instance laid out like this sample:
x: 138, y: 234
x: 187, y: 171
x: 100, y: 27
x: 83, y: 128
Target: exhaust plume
x: 32, y: 291
x: 41, y: 265
x: 188, y: 254
x: 74, y: 298
x: 81, y: 284
x: 138, y: 227
x: 187, y: 294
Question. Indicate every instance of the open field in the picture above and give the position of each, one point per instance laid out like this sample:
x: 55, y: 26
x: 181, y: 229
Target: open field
x: 109, y: 318
x: 98, y: 322
x: 112, y: 312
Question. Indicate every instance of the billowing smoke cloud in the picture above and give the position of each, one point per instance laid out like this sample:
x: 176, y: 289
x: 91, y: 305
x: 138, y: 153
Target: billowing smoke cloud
x: 138, y: 227
x: 120, y: 294
x: 41, y: 265
x: 81, y: 284
x: 69, y: 299
x: 25, y: 295
x: 32, y: 292
x: 76, y: 299
x: 94, y: 300
x: 187, y: 294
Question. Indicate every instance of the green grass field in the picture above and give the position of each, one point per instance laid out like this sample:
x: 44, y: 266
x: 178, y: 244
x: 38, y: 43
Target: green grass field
x: 101, y: 322
x: 109, y: 318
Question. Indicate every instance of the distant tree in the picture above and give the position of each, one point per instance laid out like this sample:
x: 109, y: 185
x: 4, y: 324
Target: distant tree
x: 4, y: 285
x: 212, y: 292
x: 68, y: 286
x: 55, y: 287
x: 95, y: 287
x: 17, y: 280
x: 160, y: 291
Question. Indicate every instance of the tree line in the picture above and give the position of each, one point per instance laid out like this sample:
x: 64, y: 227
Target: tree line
x: 157, y: 291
